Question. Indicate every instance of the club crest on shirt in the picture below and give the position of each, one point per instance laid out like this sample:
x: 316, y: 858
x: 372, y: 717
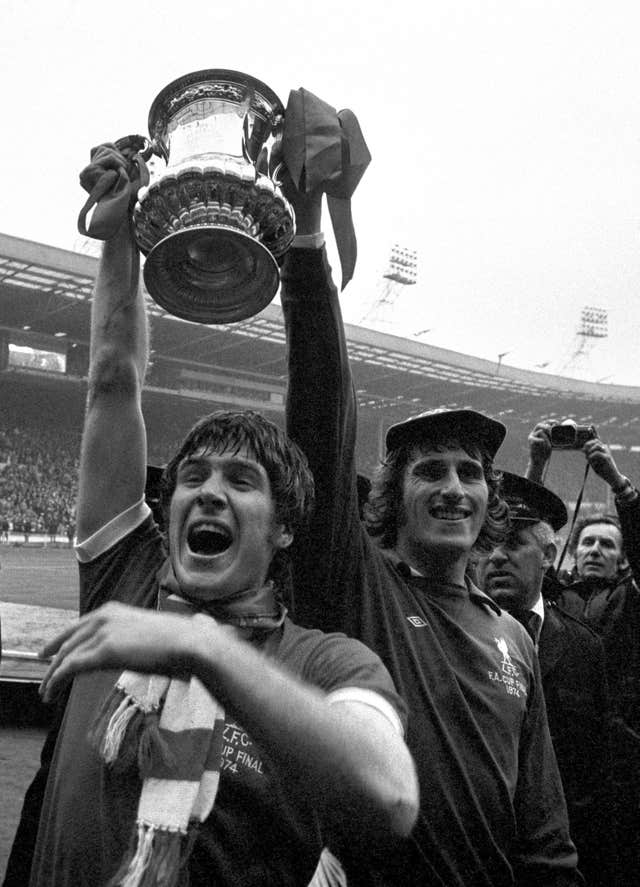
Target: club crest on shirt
x: 508, y: 674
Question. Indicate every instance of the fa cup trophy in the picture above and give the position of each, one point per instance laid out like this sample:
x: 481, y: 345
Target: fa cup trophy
x: 214, y: 223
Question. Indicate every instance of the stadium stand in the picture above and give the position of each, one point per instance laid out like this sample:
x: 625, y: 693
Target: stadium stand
x: 44, y: 333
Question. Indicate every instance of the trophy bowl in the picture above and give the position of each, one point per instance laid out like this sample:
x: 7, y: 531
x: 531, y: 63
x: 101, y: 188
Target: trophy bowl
x: 214, y: 223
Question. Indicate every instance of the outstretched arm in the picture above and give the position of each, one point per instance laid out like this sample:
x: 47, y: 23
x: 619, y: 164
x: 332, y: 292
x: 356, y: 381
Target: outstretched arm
x: 346, y: 756
x: 113, y: 454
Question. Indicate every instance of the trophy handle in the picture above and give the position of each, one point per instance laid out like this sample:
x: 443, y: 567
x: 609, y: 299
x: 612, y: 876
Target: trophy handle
x: 270, y: 160
x: 276, y: 155
x: 138, y: 145
x: 138, y: 149
x: 275, y: 175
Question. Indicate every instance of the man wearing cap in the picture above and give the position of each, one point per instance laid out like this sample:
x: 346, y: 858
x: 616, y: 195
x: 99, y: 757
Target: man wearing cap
x: 572, y: 665
x: 492, y: 808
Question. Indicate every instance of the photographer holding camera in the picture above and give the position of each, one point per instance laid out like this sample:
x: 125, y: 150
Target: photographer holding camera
x: 609, y: 553
x: 567, y: 435
x: 604, y: 594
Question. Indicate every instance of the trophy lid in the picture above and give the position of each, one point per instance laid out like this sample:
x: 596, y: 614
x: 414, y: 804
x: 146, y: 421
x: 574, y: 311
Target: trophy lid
x: 214, y: 83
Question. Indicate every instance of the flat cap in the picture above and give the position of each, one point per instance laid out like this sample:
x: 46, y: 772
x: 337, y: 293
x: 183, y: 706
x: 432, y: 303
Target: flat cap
x: 488, y: 433
x: 531, y: 502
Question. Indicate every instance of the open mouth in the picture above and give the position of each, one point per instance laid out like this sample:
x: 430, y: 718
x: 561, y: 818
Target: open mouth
x: 208, y: 539
x: 442, y: 512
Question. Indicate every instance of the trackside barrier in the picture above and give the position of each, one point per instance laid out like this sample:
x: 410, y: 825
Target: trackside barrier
x: 21, y: 667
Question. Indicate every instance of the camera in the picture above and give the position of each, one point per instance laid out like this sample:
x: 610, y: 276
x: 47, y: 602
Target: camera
x: 568, y: 435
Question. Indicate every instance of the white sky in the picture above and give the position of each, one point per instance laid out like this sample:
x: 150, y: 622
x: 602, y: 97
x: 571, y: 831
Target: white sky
x: 505, y: 138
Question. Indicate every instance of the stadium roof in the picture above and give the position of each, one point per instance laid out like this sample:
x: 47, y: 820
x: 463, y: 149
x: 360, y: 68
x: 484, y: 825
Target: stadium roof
x: 46, y: 291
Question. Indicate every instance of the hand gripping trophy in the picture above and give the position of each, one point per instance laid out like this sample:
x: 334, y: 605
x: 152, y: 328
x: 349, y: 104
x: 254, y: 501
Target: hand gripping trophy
x: 215, y: 223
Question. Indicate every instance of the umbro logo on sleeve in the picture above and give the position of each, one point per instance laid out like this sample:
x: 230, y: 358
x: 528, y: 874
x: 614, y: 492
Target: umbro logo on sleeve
x: 416, y: 621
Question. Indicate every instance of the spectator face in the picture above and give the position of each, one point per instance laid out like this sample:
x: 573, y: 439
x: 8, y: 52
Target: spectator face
x: 444, y: 502
x: 512, y: 574
x: 599, y: 552
x: 222, y: 528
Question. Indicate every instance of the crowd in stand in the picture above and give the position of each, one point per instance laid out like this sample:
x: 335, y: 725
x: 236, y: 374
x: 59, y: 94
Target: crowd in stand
x: 38, y: 480
x: 39, y: 465
x: 39, y: 473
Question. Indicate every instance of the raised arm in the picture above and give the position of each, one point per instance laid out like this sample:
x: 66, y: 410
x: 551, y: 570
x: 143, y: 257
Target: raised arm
x: 113, y: 453
x: 321, y: 408
x: 539, y: 442
x: 627, y: 499
x: 321, y: 418
x: 345, y: 756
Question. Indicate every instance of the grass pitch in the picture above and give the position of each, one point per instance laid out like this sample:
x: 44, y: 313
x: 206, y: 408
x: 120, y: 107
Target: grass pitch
x: 38, y: 594
x: 38, y: 598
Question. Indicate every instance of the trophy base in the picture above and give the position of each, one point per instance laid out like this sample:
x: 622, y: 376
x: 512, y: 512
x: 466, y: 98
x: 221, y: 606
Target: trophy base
x: 211, y: 274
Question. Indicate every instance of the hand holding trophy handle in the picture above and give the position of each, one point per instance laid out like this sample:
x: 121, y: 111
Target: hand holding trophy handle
x: 116, y: 172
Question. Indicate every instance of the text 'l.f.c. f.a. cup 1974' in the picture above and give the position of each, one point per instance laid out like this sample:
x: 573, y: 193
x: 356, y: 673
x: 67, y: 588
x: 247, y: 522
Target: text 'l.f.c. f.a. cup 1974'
x: 214, y: 222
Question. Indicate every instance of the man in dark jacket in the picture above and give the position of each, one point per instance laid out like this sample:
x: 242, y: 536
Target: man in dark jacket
x: 605, y: 595
x: 571, y: 662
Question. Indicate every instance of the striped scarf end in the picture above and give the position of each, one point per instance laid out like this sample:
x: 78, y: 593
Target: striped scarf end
x: 118, y: 716
x: 125, y: 733
x: 155, y: 860
x: 329, y: 872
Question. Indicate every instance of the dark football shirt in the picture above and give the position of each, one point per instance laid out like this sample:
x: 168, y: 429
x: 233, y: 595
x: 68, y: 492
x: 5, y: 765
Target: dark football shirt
x: 257, y: 833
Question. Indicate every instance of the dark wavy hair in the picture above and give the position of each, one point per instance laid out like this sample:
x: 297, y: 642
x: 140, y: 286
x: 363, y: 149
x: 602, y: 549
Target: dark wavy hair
x: 598, y: 517
x: 290, y: 478
x: 384, y: 507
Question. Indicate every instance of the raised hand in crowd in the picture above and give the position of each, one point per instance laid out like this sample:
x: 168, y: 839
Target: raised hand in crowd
x: 599, y: 457
x: 541, y: 444
x: 539, y: 441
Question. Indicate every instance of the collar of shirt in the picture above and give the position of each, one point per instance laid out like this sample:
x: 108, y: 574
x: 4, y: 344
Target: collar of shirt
x: 538, y: 608
x: 408, y: 572
x: 535, y: 620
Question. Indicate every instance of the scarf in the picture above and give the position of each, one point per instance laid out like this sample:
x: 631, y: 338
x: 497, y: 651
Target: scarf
x: 173, y: 728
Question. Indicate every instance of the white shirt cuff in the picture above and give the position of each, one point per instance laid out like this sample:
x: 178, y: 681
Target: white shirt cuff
x: 308, y: 241
x: 371, y: 698
x: 117, y: 528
